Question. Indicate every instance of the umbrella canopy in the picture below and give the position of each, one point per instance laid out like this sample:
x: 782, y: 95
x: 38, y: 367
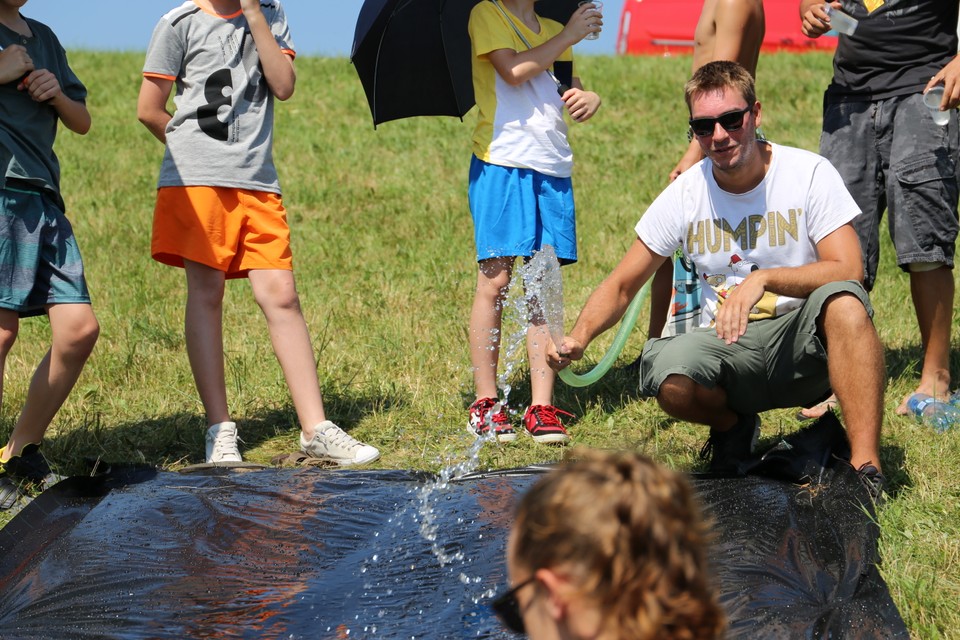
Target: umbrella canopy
x: 413, y: 56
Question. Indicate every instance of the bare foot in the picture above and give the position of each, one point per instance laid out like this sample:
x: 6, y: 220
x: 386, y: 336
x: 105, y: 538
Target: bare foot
x: 937, y: 386
x: 902, y: 409
x: 819, y: 409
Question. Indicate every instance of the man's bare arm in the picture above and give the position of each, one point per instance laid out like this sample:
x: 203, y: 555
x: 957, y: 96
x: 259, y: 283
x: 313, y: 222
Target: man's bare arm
x: 839, y: 259
x: 608, y: 302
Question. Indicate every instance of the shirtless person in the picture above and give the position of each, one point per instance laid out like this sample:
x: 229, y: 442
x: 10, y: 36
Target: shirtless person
x: 726, y: 30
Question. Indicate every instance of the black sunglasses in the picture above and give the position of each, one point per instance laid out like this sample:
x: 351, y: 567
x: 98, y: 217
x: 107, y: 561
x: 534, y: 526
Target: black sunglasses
x: 730, y: 121
x: 507, y: 608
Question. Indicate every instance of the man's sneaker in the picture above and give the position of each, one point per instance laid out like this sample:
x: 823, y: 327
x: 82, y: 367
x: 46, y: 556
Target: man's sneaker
x: 222, y: 443
x: 873, y: 481
x: 490, y: 411
x: 542, y: 423
x: 29, y: 466
x: 330, y: 442
x: 728, y: 450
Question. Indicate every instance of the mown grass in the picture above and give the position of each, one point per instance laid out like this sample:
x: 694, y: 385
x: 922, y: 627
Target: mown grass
x: 384, y: 263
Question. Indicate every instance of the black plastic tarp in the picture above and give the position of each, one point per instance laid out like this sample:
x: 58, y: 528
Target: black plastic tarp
x: 309, y: 553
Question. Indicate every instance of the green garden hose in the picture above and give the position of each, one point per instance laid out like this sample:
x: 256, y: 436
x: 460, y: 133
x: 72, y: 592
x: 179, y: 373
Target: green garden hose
x: 626, y: 326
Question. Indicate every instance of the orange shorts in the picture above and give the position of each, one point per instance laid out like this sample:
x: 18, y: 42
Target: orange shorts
x: 231, y: 230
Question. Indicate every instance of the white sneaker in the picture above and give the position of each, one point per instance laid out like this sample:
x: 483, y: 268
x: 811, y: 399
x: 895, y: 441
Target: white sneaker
x: 330, y: 442
x: 222, y: 443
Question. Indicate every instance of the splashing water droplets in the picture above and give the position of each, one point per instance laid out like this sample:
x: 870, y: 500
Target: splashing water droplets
x: 432, y: 503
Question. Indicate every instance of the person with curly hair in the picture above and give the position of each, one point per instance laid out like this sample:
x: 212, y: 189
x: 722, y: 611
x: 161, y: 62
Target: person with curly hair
x: 610, y: 545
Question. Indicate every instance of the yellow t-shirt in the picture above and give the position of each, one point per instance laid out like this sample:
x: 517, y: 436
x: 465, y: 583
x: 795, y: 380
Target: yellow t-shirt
x: 518, y: 126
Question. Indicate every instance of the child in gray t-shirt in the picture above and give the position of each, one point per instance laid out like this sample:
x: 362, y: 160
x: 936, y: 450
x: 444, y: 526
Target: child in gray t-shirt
x: 219, y: 213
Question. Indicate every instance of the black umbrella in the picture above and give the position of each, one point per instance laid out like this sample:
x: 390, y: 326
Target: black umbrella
x: 413, y: 56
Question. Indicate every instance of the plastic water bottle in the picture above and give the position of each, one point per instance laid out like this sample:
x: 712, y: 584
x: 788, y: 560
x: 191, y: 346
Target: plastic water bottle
x: 939, y: 415
x: 841, y: 22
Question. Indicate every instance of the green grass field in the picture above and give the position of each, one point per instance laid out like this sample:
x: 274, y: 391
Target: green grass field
x: 384, y: 262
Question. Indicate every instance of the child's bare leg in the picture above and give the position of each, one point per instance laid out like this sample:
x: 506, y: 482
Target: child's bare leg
x: 276, y: 293
x: 542, y: 377
x: 203, y: 329
x: 75, y: 330
x: 493, y: 279
x: 9, y: 327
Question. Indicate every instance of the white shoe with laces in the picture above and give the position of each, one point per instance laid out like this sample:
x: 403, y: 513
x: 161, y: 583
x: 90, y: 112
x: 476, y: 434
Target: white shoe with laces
x: 222, y: 443
x: 330, y: 442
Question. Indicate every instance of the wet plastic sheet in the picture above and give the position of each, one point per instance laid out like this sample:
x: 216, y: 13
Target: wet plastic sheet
x: 379, y: 554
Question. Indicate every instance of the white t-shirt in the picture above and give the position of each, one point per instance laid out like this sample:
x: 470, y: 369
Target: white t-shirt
x: 778, y: 223
x: 518, y: 126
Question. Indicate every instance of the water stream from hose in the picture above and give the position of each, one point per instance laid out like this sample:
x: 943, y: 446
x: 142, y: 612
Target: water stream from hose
x: 544, y: 288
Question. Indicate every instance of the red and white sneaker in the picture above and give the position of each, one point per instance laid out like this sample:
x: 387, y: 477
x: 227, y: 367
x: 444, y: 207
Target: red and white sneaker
x: 543, y: 424
x: 490, y: 411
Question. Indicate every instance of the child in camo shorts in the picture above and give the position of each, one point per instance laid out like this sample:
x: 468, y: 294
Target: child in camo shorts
x: 41, y: 271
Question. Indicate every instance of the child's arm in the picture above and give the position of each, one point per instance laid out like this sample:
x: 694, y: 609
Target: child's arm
x: 516, y: 67
x: 277, y: 66
x: 152, y: 105
x: 43, y: 86
x: 580, y: 104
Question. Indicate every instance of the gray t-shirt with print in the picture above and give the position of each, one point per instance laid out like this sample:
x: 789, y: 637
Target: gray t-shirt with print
x: 221, y: 134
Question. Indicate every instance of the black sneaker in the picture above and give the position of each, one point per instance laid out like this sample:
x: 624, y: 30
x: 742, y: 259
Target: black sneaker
x: 10, y: 493
x: 873, y: 481
x: 728, y: 450
x: 29, y: 466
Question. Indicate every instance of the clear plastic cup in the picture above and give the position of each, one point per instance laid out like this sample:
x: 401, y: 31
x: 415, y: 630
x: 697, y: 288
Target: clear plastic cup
x: 598, y: 9
x: 932, y: 99
x: 841, y: 22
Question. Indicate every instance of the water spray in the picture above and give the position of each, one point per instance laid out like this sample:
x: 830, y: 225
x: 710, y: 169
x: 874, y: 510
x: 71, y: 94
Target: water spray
x: 544, y: 289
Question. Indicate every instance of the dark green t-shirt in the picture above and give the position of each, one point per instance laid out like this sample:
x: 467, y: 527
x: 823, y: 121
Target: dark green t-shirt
x: 27, y: 128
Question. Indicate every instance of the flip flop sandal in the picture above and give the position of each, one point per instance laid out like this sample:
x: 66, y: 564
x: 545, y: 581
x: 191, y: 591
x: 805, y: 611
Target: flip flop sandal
x: 830, y: 404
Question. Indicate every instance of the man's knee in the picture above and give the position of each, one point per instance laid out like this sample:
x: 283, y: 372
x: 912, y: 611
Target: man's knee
x: 676, y: 392
x: 844, y: 311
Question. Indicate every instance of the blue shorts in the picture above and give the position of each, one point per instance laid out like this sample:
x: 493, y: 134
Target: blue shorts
x: 894, y: 158
x: 518, y: 211
x: 40, y: 262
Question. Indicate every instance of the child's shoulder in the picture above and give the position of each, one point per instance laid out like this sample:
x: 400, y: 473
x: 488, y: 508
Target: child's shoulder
x: 491, y: 12
x: 39, y: 29
x: 272, y: 9
x: 550, y: 24
x: 182, y: 10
